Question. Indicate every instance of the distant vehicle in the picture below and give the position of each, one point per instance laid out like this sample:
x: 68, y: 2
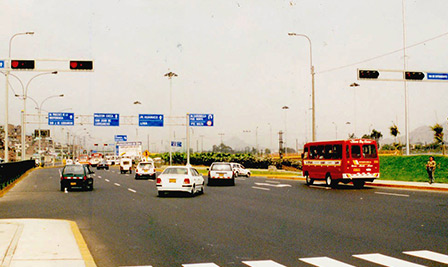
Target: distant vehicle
x: 95, y: 158
x: 76, y: 176
x: 83, y: 159
x: 180, y: 179
x: 111, y: 160
x: 68, y: 162
x: 344, y: 161
x: 239, y: 170
x: 126, y: 165
x: 145, y: 169
x: 102, y: 165
x: 221, y: 171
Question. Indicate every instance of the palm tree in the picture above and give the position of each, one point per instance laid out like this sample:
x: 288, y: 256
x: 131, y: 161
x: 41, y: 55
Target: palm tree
x: 438, y: 135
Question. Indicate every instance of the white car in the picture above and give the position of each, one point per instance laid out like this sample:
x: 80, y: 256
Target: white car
x: 180, y: 179
x: 221, y: 171
x: 239, y: 170
x: 145, y: 169
x: 68, y: 162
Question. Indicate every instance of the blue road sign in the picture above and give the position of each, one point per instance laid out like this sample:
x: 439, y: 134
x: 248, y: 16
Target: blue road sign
x: 61, y: 118
x: 176, y: 144
x: 121, y: 138
x: 201, y: 120
x: 437, y: 76
x: 150, y: 120
x: 2, y: 64
x: 106, y: 119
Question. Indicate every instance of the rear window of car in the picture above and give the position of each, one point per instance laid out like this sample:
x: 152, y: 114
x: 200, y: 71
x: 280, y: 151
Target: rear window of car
x: 175, y: 171
x: 145, y: 164
x: 73, y: 170
x: 221, y: 167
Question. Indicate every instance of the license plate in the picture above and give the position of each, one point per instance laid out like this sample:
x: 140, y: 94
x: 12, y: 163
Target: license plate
x: 221, y: 175
x: 172, y: 180
x: 72, y: 183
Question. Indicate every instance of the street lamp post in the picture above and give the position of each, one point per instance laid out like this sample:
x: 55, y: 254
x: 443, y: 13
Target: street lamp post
x: 170, y: 76
x: 7, y: 94
x: 312, y: 83
x: 25, y: 94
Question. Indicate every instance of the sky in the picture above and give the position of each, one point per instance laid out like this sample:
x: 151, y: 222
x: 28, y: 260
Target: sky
x: 234, y: 59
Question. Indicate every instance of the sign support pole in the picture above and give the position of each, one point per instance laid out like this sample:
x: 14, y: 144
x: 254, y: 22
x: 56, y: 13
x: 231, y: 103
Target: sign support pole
x: 188, y: 139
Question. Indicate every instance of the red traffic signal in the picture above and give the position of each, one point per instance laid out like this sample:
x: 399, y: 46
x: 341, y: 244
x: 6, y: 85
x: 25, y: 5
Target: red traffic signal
x: 95, y: 144
x: 409, y: 75
x: 81, y: 64
x: 22, y: 64
x: 368, y: 74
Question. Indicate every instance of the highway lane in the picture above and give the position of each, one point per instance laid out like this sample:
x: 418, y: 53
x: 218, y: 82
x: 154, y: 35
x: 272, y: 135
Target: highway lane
x: 126, y: 224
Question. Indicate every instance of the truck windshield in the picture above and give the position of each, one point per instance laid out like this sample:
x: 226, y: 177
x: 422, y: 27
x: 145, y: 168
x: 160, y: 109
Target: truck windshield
x: 369, y: 151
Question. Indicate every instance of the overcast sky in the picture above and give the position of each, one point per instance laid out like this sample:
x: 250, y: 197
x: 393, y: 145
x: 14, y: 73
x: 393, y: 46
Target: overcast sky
x: 234, y: 59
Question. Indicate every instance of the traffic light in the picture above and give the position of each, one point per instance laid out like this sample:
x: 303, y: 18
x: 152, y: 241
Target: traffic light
x: 368, y: 74
x: 22, y: 64
x: 81, y: 64
x: 410, y: 75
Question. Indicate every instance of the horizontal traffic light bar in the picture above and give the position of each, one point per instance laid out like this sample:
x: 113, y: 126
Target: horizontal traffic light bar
x: 400, y: 75
x: 42, y: 65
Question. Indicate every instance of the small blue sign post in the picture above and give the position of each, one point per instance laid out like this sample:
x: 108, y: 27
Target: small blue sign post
x: 2, y: 64
x: 121, y: 138
x: 106, y: 119
x: 201, y: 120
x: 176, y: 144
x: 155, y: 120
x: 437, y: 76
x: 61, y: 118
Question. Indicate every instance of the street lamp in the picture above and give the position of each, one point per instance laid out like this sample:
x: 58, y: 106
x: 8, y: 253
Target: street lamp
x: 312, y: 82
x: 285, y: 108
x: 170, y: 76
x: 7, y: 94
x: 25, y: 94
x: 39, y: 109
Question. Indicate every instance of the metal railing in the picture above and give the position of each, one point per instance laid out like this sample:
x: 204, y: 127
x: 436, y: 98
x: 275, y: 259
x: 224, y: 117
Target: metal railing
x: 10, y: 171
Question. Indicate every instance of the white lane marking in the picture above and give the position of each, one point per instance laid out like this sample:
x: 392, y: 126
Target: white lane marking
x: 260, y: 188
x: 268, y: 263
x: 429, y: 255
x: 274, y: 185
x: 211, y: 264
x: 132, y: 190
x: 272, y: 182
x: 386, y: 260
x: 117, y: 184
x: 107, y: 180
x: 99, y: 176
x: 325, y: 261
x: 127, y: 174
x: 391, y: 194
x: 152, y: 181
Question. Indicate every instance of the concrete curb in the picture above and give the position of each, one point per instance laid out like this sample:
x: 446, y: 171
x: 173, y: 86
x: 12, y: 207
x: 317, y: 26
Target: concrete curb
x: 85, y: 252
x: 380, y: 183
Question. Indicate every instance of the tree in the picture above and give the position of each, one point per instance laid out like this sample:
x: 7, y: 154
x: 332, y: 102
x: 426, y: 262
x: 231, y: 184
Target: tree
x: 438, y: 135
x: 375, y: 135
x: 352, y: 136
x: 394, y: 131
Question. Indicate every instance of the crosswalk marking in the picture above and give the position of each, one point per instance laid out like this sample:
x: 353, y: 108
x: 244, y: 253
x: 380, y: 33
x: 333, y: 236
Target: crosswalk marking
x: 200, y: 265
x: 267, y: 263
x: 386, y: 260
x: 429, y: 255
x: 325, y: 261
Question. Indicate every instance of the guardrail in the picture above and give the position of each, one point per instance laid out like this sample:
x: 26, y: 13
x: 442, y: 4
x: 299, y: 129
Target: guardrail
x: 10, y: 171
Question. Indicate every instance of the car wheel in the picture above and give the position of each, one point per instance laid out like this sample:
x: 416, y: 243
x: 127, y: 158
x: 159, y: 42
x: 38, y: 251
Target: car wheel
x: 308, y: 180
x: 193, y: 189
x: 232, y: 182
x: 202, y: 188
x: 62, y: 187
x: 248, y: 175
x: 161, y: 193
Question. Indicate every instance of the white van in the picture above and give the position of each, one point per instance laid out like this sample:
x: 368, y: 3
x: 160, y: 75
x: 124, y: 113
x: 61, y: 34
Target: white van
x: 126, y: 165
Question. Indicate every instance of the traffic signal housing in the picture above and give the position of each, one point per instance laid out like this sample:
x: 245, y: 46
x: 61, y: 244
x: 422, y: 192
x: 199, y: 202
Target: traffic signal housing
x: 368, y: 74
x: 81, y: 65
x: 22, y: 64
x: 412, y: 75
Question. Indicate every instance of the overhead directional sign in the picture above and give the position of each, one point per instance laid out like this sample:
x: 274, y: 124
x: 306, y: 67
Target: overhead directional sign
x: 121, y: 138
x: 201, y: 119
x: 2, y: 64
x: 437, y: 76
x: 106, y: 119
x: 176, y: 144
x: 150, y: 120
x: 61, y: 118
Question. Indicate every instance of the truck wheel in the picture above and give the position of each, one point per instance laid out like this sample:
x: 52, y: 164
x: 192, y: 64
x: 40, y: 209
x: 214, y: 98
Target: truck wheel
x: 308, y: 180
x: 330, y: 182
x: 358, y: 184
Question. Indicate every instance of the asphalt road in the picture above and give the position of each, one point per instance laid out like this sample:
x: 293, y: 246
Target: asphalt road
x: 282, y: 222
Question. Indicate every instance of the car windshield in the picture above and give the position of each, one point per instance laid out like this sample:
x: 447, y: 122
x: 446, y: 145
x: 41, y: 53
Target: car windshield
x: 175, y: 171
x: 73, y: 170
x: 221, y: 167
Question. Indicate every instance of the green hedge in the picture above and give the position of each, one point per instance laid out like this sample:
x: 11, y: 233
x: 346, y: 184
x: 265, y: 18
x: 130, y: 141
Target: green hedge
x: 248, y: 160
